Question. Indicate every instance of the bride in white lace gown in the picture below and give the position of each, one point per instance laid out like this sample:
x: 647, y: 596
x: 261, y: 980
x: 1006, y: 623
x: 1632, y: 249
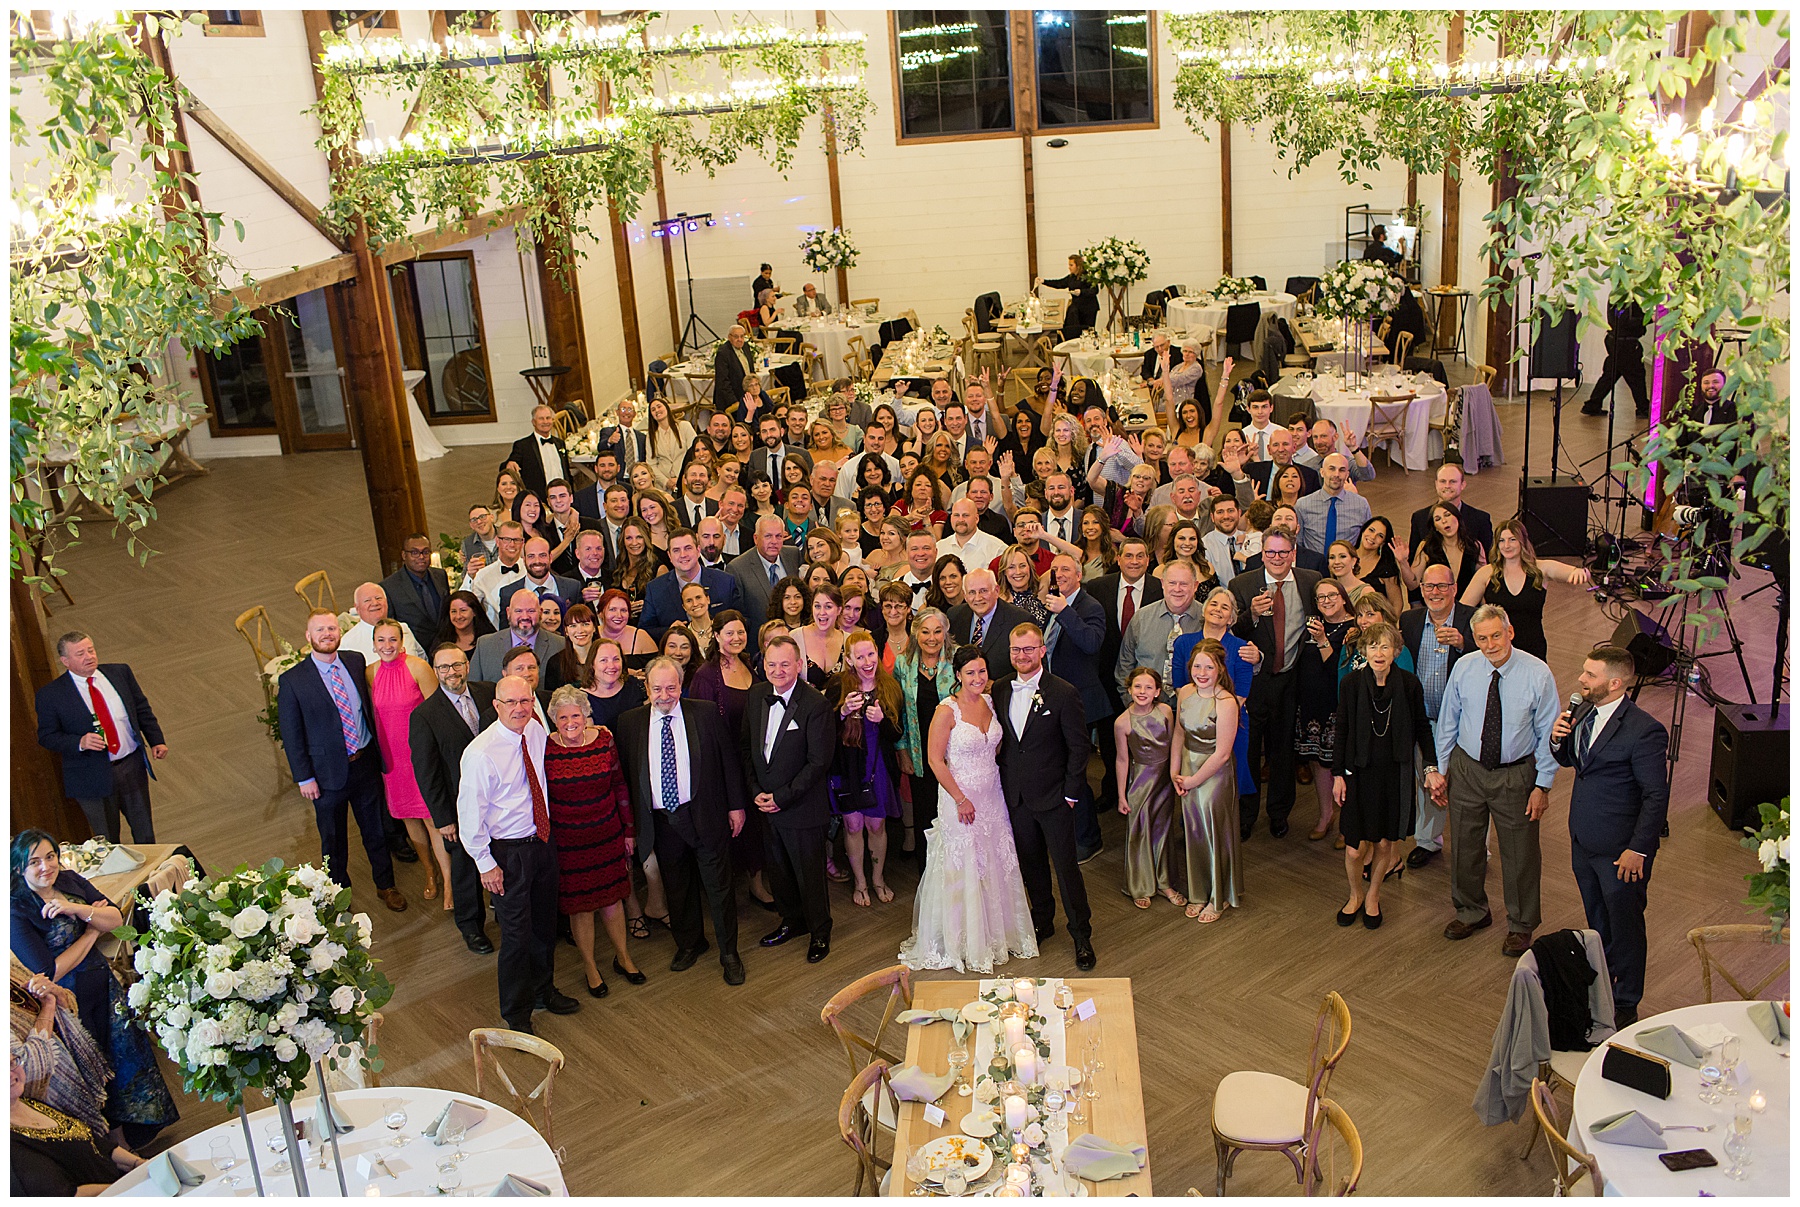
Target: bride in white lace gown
x: 971, y: 912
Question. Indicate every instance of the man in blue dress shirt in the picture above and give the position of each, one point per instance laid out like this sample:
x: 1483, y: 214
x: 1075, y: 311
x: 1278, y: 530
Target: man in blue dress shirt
x: 1493, y: 743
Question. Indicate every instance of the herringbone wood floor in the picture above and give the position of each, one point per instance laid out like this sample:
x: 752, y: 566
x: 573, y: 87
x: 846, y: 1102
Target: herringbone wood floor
x: 685, y: 1086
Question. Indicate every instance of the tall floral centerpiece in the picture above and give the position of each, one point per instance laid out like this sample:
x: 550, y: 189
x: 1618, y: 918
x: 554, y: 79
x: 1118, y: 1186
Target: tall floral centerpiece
x: 249, y: 979
x: 1769, y: 886
x: 828, y: 251
x: 1357, y: 292
x: 1116, y: 265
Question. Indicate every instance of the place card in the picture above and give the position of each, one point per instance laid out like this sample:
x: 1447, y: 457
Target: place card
x: 372, y: 1165
x: 1086, y: 1010
x: 934, y: 1114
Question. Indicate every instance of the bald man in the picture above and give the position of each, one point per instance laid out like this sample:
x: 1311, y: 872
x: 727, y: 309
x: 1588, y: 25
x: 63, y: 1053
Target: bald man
x: 984, y: 619
x: 370, y: 603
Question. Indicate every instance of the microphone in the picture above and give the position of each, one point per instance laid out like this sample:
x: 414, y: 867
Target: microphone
x: 1575, y: 699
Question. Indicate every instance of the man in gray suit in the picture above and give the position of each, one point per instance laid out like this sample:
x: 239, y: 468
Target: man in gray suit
x: 761, y: 568
x: 522, y: 622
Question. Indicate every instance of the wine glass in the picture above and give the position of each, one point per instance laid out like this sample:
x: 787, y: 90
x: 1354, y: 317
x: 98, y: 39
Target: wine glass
x: 1712, y: 1071
x: 917, y: 1166
x: 449, y: 1175
x: 1737, y: 1144
x: 454, y: 1131
x: 276, y: 1142
x: 393, y: 1113
x: 958, y: 1059
x: 223, y: 1158
x: 1730, y: 1052
x: 1065, y: 999
x: 1077, y: 1098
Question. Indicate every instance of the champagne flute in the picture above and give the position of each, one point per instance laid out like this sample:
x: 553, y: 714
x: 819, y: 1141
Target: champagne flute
x: 223, y: 1158
x: 456, y: 1130
x: 276, y: 1141
x: 959, y: 1060
x: 1730, y: 1052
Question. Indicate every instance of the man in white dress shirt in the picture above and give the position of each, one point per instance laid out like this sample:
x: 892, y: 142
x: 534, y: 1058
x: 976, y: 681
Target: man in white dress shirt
x: 502, y: 570
x: 1262, y: 426
x: 370, y: 603
x: 966, y: 539
x: 503, y: 821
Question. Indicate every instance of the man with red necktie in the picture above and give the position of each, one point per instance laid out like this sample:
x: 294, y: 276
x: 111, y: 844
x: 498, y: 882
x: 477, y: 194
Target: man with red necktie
x: 97, y: 719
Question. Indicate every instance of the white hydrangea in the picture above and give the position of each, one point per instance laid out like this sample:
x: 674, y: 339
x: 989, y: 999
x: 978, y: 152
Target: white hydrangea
x: 314, y: 1036
x: 250, y: 920
x: 343, y: 998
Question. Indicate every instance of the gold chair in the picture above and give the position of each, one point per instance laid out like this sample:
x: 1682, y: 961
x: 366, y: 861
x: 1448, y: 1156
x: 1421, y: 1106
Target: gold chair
x: 1019, y: 385
x: 1270, y: 1113
x: 656, y: 385
x: 779, y: 396
x: 1487, y: 374
x: 1330, y: 1113
x: 858, y: 345
x: 812, y: 363
x: 875, y: 302
x: 315, y: 589
x: 567, y: 424
x: 1403, y: 347
x: 488, y: 1041
x: 259, y: 631
x: 858, y: 1048
x: 1747, y: 933
x: 969, y: 322
x: 1387, y: 422
x: 1568, y: 1180
x: 784, y: 345
x: 861, y: 1129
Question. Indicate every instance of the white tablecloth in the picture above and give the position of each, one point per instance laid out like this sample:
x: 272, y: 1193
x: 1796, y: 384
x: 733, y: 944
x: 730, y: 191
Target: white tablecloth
x: 832, y: 338
x: 1203, y: 316
x: 502, y: 1143
x: 1099, y: 362
x: 691, y: 383
x: 1636, y: 1171
x: 1350, y: 411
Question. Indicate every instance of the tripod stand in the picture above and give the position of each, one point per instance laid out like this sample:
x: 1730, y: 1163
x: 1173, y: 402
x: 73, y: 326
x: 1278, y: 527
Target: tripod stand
x: 1674, y: 620
x: 690, y: 331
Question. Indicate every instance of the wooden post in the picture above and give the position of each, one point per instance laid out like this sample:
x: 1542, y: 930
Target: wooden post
x: 668, y: 250
x: 1501, y: 338
x: 826, y: 120
x: 1025, y: 119
x: 570, y: 308
x: 37, y: 793
x: 1450, y: 265
x: 1225, y: 195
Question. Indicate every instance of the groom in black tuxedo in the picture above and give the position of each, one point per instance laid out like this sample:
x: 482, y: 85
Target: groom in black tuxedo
x: 1043, y: 772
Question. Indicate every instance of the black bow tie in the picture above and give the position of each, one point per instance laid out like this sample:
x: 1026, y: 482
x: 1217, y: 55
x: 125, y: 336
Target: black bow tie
x: 550, y: 440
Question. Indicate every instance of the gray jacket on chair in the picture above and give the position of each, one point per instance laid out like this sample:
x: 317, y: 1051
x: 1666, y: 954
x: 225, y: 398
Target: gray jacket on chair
x: 1522, y: 1040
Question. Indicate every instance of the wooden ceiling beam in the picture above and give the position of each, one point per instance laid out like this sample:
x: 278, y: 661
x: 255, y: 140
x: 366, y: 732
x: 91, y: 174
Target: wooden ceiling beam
x: 209, y: 120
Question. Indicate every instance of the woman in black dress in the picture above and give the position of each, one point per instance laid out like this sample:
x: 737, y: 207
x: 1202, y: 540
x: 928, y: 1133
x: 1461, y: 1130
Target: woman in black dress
x: 1318, y: 691
x: 1084, y: 304
x: 725, y: 678
x: 1514, y: 579
x: 1021, y: 441
x: 611, y: 691
x: 1375, y: 563
x: 1446, y: 546
x: 1381, y: 722
x: 56, y: 1155
x: 946, y: 583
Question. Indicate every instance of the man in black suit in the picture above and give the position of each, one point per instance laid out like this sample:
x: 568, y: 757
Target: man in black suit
x: 1274, y: 603
x: 984, y: 619
x: 1073, y: 643
x: 539, y: 580
x: 761, y: 568
x: 590, y: 500
x: 682, y: 774
x: 1436, y: 635
x: 1120, y: 595
x: 766, y: 459
x: 731, y: 367
x: 789, y: 741
x: 439, y: 730
x: 1287, y: 520
x: 691, y: 504
x: 1477, y: 525
x: 1262, y: 474
x: 1616, y: 813
x: 98, y: 719
x: 328, y: 731
x: 560, y: 525
x: 541, y: 457
x: 1043, y: 774
x: 419, y: 593
x: 1624, y: 359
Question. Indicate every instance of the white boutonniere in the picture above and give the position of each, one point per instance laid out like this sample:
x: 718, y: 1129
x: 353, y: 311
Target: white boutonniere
x: 1037, y: 704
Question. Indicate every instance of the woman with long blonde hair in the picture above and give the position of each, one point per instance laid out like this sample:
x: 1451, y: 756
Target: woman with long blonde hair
x: 1514, y: 579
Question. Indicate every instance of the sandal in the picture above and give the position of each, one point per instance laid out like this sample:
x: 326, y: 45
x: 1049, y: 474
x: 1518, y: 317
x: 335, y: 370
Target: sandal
x: 662, y: 921
x: 1193, y: 911
x: 834, y: 874
x: 860, y: 896
x: 638, y: 927
x: 1174, y: 897
x: 883, y: 893
x: 1209, y: 914
x: 1141, y: 902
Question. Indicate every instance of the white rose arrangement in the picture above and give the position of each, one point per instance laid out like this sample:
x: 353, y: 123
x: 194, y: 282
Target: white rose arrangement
x: 1116, y: 263
x: 825, y: 250
x: 247, y: 979
x: 1358, y: 290
x: 1233, y: 287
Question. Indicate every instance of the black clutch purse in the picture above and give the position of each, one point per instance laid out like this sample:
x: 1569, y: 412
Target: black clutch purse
x: 1638, y: 1070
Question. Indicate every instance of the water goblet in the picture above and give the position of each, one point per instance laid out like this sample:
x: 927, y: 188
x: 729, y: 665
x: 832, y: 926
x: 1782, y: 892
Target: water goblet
x: 449, y: 1175
x: 1730, y: 1052
x: 224, y: 1158
x: 1737, y: 1144
x: 917, y: 1166
x: 393, y: 1113
x: 276, y: 1141
x: 955, y: 1181
x: 1712, y: 1071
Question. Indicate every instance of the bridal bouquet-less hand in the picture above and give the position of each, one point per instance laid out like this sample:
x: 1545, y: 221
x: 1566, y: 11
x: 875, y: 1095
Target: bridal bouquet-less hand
x: 246, y: 979
x: 825, y: 250
x: 1358, y: 290
x: 1234, y: 287
x: 1116, y: 263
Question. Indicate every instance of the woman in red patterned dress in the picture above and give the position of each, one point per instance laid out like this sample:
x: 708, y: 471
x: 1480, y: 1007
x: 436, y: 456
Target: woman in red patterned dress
x: 590, y: 830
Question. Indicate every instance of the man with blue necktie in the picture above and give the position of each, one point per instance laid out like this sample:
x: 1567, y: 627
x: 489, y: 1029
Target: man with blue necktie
x: 328, y: 731
x: 1333, y: 512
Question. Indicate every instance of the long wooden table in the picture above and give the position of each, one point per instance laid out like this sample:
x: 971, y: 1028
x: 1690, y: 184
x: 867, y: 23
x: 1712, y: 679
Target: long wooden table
x: 1117, y: 1115
x: 119, y: 886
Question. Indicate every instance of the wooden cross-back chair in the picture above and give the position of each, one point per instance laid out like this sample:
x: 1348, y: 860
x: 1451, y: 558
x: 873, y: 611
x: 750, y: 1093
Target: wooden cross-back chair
x: 487, y: 1042
x: 875, y: 302
x: 1487, y: 373
x: 1402, y: 348
x: 1387, y: 422
x: 860, y: 1127
x: 1704, y: 938
x: 858, y: 368
x: 259, y: 631
x: 1572, y: 1164
x: 1271, y: 1113
x: 779, y: 396
x: 1331, y: 1115
x: 812, y: 362
x: 860, y: 1049
x: 315, y: 589
x: 567, y: 423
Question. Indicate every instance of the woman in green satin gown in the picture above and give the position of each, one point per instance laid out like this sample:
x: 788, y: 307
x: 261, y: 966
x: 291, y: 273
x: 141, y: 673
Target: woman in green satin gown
x: 1202, y: 765
x: 1143, y: 734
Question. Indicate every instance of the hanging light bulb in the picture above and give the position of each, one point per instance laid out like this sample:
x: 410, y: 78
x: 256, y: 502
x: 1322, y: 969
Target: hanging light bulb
x: 1706, y: 119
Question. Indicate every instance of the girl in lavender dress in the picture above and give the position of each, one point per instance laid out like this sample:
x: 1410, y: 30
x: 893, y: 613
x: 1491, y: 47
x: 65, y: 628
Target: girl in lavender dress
x: 866, y: 777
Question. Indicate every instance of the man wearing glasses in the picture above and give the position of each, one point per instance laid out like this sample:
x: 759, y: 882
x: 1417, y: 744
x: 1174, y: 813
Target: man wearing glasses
x: 1436, y: 634
x: 1274, y: 603
x: 503, y: 822
x: 506, y: 568
x: 440, y: 729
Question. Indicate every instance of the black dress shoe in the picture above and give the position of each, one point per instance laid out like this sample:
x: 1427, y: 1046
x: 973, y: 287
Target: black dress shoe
x: 1278, y: 829
x: 1418, y: 857
x: 1245, y: 831
x: 734, y: 969
x: 1084, y: 956
x: 684, y: 959
x: 600, y: 990
x: 1090, y: 855
x: 633, y: 978
x: 1592, y: 410
x: 761, y: 904
x: 781, y: 934
x: 523, y: 1028
x: 817, y: 950
x: 558, y: 1002
x: 403, y: 852
x: 1044, y: 932
x: 479, y: 943
x: 1624, y: 1016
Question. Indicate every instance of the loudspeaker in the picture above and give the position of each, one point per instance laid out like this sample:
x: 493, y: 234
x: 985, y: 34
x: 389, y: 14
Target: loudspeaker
x: 1555, y: 516
x: 1553, y: 353
x: 1749, y: 762
x: 1651, y: 650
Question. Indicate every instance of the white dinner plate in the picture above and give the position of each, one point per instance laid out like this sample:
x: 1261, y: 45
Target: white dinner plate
x: 976, y: 1157
x: 980, y: 1124
x: 979, y: 1012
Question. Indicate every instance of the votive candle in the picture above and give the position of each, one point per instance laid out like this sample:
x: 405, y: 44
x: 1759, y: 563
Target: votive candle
x: 1025, y: 989
x: 1759, y: 1101
x: 1015, y: 1032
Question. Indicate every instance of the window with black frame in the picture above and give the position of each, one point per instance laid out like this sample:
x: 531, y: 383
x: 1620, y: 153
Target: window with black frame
x: 955, y: 72
x: 441, y: 332
x: 238, y: 388
x: 1093, y: 68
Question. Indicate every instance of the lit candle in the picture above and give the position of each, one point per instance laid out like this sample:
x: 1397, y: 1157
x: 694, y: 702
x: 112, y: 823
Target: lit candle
x: 1015, y: 1113
x: 1025, y: 1063
x: 1018, y: 1175
x: 1025, y: 989
x: 1015, y: 1031
x: 1759, y: 1101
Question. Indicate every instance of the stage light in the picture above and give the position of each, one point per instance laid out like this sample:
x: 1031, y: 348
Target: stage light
x: 693, y: 226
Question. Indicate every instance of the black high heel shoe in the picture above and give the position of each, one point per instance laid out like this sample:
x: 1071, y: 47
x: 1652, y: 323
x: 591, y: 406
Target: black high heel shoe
x: 1393, y: 873
x: 600, y: 990
x: 631, y: 978
x: 1349, y: 919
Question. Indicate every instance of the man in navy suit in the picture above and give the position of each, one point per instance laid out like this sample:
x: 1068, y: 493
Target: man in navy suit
x: 630, y: 445
x: 662, y: 598
x: 97, y: 719
x: 1616, y: 813
x: 1075, y: 637
x: 328, y: 731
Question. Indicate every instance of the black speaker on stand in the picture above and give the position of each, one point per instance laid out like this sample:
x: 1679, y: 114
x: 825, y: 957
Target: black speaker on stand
x: 1749, y: 762
x: 1652, y: 651
x: 1555, y: 515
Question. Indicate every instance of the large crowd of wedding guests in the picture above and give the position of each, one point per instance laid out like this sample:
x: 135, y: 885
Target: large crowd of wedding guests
x: 763, y: 652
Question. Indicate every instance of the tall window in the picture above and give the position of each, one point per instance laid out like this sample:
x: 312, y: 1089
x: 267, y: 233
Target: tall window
x: 954, y: 69
x: 1093, y: 68
x: 237, y: 385
x: 439, y: 317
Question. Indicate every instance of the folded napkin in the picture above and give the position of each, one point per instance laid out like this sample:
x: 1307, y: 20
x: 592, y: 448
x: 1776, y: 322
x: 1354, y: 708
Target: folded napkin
x: 1674, y: 1043
x: 171, y: 1174
x: 913, y: 1084
x: 512, y: 1186
x: 466, y: 1113
x: 1630, y: 1127
x: 1711, y: 1035
x: 1771, y: 1020
x: 949, y: 1014
x: 329, y: 1123
x: 1095, y: 1159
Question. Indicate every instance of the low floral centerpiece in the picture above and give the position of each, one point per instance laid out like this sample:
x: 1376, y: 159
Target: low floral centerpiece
x: 1357, y: 292
x: 1769, y: 887
x: 272, y: 671
x: 1233, y: 287
x: 826, y: 250
x: 1116, y: 265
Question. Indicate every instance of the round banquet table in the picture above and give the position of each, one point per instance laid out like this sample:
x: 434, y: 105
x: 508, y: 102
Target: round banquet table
x: 1630, y: 1171
x: 832, y: 336
x: 1350, y: 410
x: 1098, y: 362
x: 1205, y: 316
x: 500, y: 1144
x: 692, y: 381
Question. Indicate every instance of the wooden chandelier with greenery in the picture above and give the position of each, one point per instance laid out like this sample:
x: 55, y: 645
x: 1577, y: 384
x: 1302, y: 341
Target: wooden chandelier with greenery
x: 563, y: 117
